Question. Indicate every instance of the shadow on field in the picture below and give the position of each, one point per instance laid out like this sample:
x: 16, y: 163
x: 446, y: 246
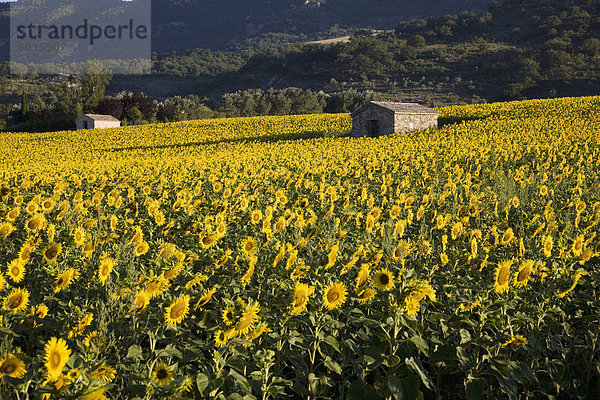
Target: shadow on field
x: 263, y: 139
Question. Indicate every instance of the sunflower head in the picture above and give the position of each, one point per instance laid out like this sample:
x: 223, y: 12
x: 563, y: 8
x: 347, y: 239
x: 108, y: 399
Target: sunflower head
x: 16, y: 270
x: 366, y: 295
x: 228, y: 315
x: 502, y: 276
x: 302, y: 293
x: 17, y: 300
x: 162, y: 375
x: 522, y: 276
x: 51, y: 252
x: 384, y: 279
x: 12, y: 366
x: 247, y: 320
x: 249, y: 246
x: 178, y: 310
x: 335, y: 295
x: 57, y: 354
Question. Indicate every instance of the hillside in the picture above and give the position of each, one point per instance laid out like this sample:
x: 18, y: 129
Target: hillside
x: 518, y: 48
x: 180, y: 25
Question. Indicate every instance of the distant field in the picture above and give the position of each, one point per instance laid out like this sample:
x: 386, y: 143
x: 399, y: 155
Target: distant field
x: 265, y: 258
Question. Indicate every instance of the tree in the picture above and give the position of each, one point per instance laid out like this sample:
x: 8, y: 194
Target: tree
x: 133, y: 115
x: 24, y: 107
x: 417, y: 41
x: 67, y: 105
x: 93, y: 85
x: 591, y: 47
x: 110, y: 106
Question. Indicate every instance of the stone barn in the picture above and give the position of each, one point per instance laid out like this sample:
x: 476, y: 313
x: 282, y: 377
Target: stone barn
x: 97, y: 121
x: 383, y: 118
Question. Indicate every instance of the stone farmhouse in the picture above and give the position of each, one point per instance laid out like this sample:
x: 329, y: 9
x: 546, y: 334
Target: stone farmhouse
x: 97, y: 121
x: 383, y: 118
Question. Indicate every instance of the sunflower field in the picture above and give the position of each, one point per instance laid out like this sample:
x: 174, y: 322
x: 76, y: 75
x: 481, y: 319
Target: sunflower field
x: 264, y: 258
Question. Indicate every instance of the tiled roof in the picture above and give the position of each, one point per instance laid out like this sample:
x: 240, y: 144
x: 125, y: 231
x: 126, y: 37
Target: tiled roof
x: 401, y: 108
x: 101, y: 117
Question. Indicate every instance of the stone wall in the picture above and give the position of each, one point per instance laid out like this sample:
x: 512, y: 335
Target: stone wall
x: 95, y: 124
x: 391, y: 123
x: 404, y: 123
x: 385, y: 118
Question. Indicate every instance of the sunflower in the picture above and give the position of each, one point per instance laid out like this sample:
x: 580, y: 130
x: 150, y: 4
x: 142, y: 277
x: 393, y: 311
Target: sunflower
x: 94, y: 338
x: 105, y: 268
x: 502, y: 276
x: 335, y: 295
x: 515, y: 341
x: 17, y: 300
x: 301, y: 294
x: 507, y: 237
x: 279, y: 225
x: 256, y: 332
x: 89, y: 247
x: 247, y: 320
x: 105, y: 373
x: 141, y: 248
x: 221, y: 338
x: 48, y: 205
x: 79, y: 236
x: 412, y: 304
x: 205, y: 298
x: 547, y: 243
x: 32, y: 207
x: 57, y: 355
x: 65, y: 279
x: 72, y: 376
x: 256, y: 216
x: 196, y: 280
x: 208, y: 241
x: 156, y: 286
x: 170, y: 273
x: 12, y: 366
x: 162, y: 375
x: 228, y: 315
x: 578, y: 246
x: 51, y: 252
x: 41, y: 311
x: 363, y: 276
x: 16, y: 270
x: 523, y: 273
x: 457, y: 230
x: 35, y: 223
x: 142, y: 299
x: 81, y: 325
x: 384, y: 279
x: 13, y: 214
x: 370, y: 223
x: 2, y: 283
x: 6, y: 228
x: 366, y: 295
x: 444, y: 258
x: 159, y: 218
x: 178, y: 310
x: 249, y: 246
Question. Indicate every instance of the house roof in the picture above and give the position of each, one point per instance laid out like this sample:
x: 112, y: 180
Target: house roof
x: 400, y: 108
x: 101, y: 117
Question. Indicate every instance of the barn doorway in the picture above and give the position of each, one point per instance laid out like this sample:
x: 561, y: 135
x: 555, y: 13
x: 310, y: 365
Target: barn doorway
x: 372, y: 128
